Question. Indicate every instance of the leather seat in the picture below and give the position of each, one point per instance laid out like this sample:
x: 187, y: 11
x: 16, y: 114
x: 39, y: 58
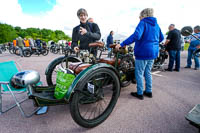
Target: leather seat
x: 78, y: 67
x: 110, y: 61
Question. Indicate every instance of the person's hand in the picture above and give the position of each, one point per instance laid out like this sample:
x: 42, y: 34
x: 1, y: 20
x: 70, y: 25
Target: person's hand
x: 198, y: 47
x: 82, y: 31
x: 76, y: 49
x: 117, y: 46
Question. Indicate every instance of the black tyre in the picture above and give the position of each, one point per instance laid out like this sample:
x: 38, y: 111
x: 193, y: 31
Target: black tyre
x: 159, y: 61
x: 45, y: 52
x: 52, y: 72
x: 11, y: 50
x: 126, y: 64
x: 55, y: 50
x: 16, y: 51
x: 95, y: 98
x: 26, y: 53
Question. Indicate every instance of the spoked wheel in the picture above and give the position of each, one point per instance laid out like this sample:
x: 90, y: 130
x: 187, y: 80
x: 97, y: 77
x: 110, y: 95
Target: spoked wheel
x: 27, y: 53
x: 126, y: 64
x: 55, y: 50
x: 45, y: 52
x: 51, y: 75
x: 11, y: 50
x: 159, y: 61
x: 97, y: 96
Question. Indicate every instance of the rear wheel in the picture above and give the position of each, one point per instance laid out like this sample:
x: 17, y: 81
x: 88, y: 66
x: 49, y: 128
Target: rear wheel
x: 95, y: 98
x: 26, y: 53
x: 53, y: 68
x: 45, y: 52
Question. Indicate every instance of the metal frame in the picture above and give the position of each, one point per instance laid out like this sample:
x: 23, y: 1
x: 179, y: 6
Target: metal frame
x: 17, y: 103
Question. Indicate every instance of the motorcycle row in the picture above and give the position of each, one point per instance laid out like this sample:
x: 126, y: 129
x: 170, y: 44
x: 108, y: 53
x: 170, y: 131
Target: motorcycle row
x: 28, y: 51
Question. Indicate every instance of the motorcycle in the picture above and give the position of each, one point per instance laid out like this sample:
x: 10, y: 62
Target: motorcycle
x: 159, y: 61
x: 28, y: 51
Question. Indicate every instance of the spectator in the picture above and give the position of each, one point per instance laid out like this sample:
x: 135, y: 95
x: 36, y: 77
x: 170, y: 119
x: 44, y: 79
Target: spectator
x: 44, y: 44
x: 20, y: 44
x: 38, y: 43
x: 69, y: 43
x: 31, y: 41
x: 15, y: 42
x: 109, y: 42
x: 173, y: 47
x: 146, y: 37
x: 85, y: 33
x: 90, y: 20
x: 26, y: 42
x: 194, y: 43
x: 182, y: 43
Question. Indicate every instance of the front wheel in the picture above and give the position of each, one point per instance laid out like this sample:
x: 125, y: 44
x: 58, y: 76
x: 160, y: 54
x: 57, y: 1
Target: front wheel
x: 95, y: 98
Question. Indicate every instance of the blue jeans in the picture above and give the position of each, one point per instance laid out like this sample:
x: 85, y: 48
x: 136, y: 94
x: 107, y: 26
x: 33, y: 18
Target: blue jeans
x: 109, y: 52
x: 174, y: 56
x: 189, y: 59
x: 143, y: 70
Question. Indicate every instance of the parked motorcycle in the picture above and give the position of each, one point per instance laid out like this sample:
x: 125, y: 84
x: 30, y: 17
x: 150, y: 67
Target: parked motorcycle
x: 159, y: 61
x: 27, y: 52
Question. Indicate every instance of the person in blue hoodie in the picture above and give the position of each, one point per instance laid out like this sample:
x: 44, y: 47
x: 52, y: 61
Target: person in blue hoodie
x: 147, y: 36
x: 194, y: 43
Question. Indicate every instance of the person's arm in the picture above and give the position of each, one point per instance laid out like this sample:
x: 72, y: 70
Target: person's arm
x: 135, y: 36
x: 168, y: 38
x: 111, y: 39
x: 74, y: 38
x: 166, y: 42
x: 96, y: 34
x: 161, y: 38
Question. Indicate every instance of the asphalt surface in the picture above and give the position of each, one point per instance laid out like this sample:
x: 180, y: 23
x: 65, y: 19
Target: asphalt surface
x: 174, y: 95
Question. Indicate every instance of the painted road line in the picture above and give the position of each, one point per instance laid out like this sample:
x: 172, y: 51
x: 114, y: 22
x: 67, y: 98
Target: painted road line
x: 156, y: 73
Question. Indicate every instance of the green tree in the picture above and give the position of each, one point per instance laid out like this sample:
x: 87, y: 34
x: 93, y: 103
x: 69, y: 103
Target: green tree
x: 7, y: 33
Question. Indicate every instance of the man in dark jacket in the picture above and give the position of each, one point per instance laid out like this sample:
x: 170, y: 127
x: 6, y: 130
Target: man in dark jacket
x: 173, y: 47
x: 109, y: 42
x: 146, y: 37
x: 38, y: 43
x: 85, y: 33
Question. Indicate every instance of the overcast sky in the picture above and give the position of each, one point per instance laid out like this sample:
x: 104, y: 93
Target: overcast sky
x: 122, y: 16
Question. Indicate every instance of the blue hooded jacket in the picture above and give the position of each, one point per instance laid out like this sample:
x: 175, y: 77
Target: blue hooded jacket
x: 146, y: 37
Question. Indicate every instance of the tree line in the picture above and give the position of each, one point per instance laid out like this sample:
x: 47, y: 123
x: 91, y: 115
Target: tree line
x: 8, y: 33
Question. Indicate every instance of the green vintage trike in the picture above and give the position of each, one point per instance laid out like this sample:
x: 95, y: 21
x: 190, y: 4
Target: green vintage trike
x: 93, y: 84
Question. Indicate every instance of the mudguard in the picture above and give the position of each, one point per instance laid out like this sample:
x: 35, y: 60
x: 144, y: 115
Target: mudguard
x: 59, y: 59
x: 82, y: 74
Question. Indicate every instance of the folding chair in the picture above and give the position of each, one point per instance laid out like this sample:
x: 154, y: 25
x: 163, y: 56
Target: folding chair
x: 7, y: 70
